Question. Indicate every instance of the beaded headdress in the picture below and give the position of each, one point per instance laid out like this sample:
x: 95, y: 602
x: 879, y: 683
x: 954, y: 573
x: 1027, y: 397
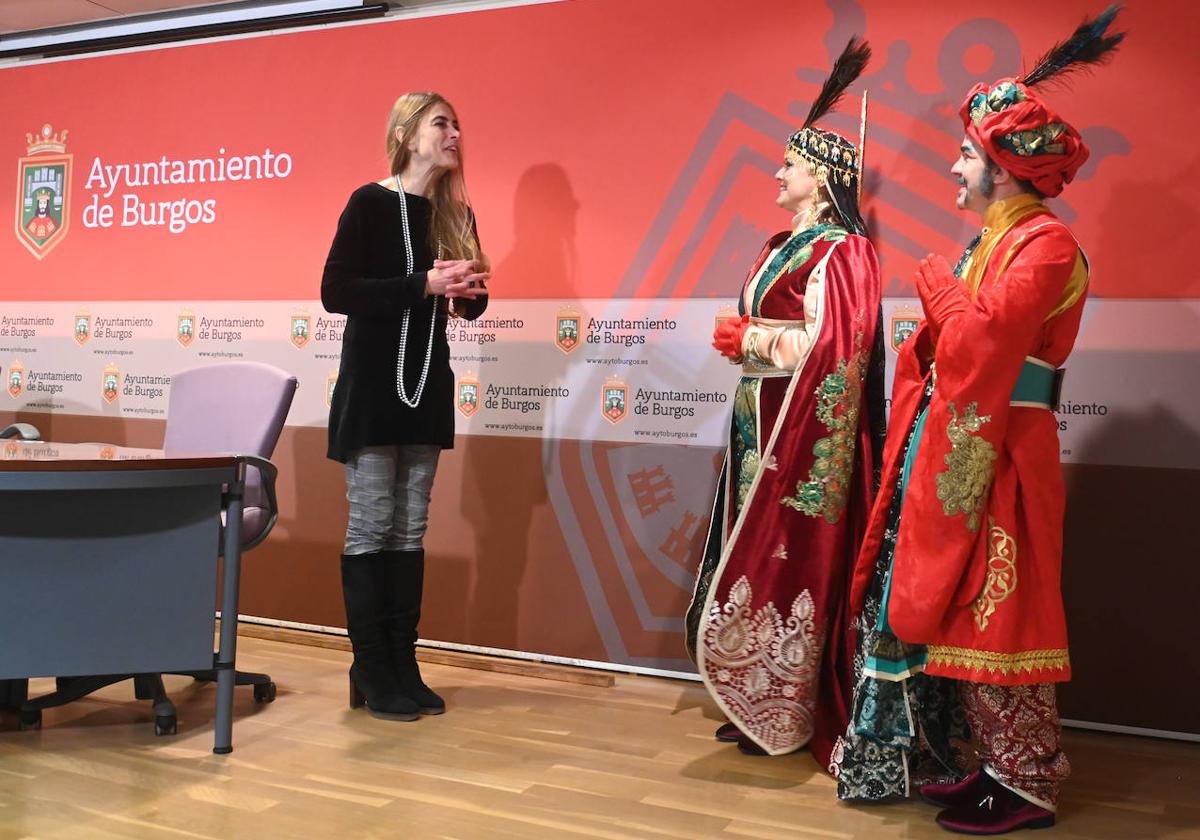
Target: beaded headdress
x: 827, y: 152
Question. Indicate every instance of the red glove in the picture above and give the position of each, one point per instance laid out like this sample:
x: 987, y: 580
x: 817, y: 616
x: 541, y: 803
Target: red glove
x: 941, y: 293
x: 727, y: 337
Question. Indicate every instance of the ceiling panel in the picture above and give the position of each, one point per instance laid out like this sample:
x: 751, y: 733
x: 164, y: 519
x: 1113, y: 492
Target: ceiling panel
x: 17, y: 15
x: 141, y: 7
x: 21, y: 15
x: 39, y: 14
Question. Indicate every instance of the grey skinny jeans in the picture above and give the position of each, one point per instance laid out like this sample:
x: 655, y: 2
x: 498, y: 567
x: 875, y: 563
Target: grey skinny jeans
x: 388, y: 489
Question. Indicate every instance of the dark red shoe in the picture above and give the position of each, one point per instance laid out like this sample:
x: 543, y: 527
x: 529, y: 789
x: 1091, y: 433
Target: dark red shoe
x: 998, y: 811
x: 748, y: 747
x: 967, y: 791
x: 728, y: 733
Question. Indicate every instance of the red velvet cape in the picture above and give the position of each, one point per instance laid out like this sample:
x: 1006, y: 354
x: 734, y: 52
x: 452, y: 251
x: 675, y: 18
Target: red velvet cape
x: 775, y: 646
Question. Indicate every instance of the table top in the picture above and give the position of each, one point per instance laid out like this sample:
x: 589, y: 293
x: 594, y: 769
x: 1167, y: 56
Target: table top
x: 47, y: 456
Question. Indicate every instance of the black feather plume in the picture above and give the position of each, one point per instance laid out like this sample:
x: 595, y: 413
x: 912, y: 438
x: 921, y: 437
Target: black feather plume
x: 1087, y: 47
x: 848, y: 67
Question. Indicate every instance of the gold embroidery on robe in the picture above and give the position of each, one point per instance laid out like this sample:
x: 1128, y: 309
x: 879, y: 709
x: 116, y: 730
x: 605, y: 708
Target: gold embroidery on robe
x: 963, y: 487
x: 1005, y: 663
x: 746, y: 477
x: 838, y: 401
x: 745, y: 418
x: 1001, y: 574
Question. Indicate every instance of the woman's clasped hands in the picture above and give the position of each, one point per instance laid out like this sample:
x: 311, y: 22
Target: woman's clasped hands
x: 458, y: 279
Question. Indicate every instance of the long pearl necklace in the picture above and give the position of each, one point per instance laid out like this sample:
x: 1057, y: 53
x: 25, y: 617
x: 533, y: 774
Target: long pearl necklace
x: 412, y: 401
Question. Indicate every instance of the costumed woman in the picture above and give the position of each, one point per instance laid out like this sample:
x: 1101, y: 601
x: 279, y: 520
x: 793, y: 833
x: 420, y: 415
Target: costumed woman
x: 404, y: 260
x: 767, y: 626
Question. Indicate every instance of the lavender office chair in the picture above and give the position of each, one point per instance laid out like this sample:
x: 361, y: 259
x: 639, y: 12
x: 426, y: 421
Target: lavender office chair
x: 238, y: 408
x: 261, y: 396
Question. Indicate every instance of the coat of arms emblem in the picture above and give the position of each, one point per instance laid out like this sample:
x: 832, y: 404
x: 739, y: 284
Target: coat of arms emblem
x: 904, y: 323
x: 468, y: 395
x: 330, y: 385
x: 112, y: 383
x: 43, y: 191
x: 83, y: 327
x: 614, y: 399
x: 727, y: 312
x: 301, y: 321
x: 16, y: 379
x: 566, y: 329
x: 185, y: 328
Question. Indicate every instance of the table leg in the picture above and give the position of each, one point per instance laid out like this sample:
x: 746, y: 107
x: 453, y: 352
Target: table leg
x: 227, y: 649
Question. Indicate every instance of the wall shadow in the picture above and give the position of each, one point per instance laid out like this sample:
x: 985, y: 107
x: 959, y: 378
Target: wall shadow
x: 500, y: 498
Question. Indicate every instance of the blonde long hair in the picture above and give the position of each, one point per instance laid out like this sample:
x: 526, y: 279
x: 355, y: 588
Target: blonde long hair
x: 452, y: 224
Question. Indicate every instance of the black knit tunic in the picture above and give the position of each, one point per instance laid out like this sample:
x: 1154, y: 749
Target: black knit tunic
x: 365, y: 280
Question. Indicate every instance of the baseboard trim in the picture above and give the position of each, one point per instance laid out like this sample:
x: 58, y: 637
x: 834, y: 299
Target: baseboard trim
x: 1133, y: 730
x: 594, y: 665
x: 436, y: 656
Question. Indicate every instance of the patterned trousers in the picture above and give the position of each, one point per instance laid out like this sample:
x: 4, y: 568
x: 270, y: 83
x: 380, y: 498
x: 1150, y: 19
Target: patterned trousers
x: 1017, y: 736
x: 388, y: 489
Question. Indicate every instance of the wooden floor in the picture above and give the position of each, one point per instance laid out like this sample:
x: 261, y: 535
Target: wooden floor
x: 515, y: 757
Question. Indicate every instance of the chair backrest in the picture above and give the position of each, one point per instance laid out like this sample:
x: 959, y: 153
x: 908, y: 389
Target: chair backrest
x: 238, y: 407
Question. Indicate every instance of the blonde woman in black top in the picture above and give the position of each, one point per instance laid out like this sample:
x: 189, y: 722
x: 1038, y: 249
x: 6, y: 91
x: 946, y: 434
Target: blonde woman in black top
x: 404, y: 260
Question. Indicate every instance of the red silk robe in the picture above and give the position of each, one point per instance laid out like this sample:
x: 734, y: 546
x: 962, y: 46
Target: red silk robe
x: 774, y: 644
x: 976, y: 574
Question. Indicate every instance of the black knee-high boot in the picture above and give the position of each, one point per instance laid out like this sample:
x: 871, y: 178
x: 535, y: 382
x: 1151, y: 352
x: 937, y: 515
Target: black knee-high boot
x: 405, y: 582
x: 372, y: 676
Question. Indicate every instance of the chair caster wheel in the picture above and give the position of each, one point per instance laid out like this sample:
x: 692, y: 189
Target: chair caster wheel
x: 30, y: 720
x: 264, y: 693
x: 165, y: 725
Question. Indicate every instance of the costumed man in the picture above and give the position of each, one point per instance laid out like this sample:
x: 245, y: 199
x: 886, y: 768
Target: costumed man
x: 970, y: 510
x: 767, y: 626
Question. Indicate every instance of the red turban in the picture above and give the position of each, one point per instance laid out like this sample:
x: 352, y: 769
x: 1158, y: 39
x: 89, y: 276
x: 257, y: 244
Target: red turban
x: 1022, y: 135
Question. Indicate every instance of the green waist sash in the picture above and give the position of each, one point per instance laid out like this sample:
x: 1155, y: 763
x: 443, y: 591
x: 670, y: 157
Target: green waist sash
x: 1038, y: 386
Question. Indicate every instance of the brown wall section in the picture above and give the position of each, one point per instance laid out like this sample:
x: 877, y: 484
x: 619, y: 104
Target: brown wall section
x: 1131, y: 578
x: 500, y: 573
